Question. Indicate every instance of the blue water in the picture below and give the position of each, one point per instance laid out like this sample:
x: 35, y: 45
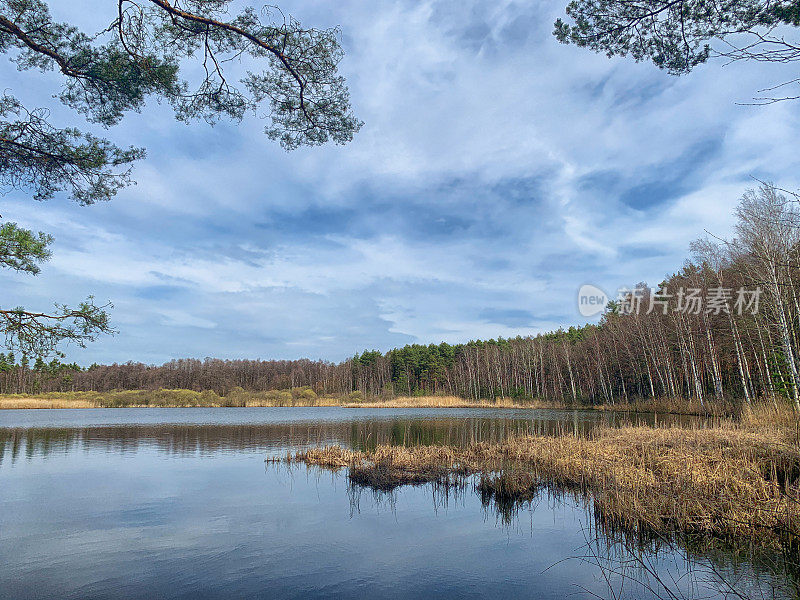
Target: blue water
x: 179, y: 503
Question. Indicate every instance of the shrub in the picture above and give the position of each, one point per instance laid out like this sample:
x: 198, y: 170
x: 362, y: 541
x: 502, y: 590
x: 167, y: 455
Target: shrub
x: 356, y: 396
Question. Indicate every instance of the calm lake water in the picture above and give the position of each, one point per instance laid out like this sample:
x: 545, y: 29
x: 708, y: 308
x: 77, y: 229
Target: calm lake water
x: 179, y: 503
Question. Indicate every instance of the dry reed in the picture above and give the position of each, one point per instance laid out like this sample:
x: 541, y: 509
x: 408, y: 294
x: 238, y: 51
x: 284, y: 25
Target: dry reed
x: 448, y: 402
x: 165, y: 398
x: 169, y: 398
x: 39, y: 402
x: 733, y: 479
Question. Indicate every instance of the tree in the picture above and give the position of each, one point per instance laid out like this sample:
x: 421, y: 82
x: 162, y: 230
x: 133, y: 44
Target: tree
x: 676, y: 35
x: 141, y: 54
x: 767, y: 239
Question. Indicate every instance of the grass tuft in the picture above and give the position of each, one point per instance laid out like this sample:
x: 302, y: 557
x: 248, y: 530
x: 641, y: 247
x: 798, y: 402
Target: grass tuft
x: 736, y: 478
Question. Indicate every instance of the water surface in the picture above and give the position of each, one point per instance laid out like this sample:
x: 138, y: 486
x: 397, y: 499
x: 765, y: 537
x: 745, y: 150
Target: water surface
x: 179, y: 503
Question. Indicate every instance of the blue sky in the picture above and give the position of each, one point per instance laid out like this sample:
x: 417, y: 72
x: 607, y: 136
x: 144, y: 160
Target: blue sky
x: 497, y: 171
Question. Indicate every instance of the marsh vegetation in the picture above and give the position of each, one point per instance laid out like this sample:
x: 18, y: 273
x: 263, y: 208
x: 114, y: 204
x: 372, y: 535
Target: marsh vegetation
x: 174, y: 398
x: 737, y: 478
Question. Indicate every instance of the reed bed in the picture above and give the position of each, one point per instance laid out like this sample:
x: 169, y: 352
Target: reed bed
x: 41, y: 402
x: 305, y: 397
x: 171, y: 398
x: 737, y: 478
x: 675, y: 406
x: 177, y: 398
x: 448, y: 402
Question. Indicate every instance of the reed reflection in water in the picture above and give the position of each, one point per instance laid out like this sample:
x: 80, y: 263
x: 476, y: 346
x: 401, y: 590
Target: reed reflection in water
x: 331, y: 426
x: 632, y: 563
x: 180, y: 504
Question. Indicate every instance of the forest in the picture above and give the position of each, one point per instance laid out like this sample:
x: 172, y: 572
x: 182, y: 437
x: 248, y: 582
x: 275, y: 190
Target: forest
x: 723, y: 327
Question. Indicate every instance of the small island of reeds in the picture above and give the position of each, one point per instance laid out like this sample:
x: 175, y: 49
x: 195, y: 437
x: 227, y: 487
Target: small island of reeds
x: 737, y: 478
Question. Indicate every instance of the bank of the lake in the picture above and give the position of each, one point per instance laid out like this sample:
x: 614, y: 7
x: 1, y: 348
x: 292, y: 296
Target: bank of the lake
x: 306, y: 397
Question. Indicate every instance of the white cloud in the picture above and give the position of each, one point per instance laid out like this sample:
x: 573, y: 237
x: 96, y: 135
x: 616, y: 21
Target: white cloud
x: 466, y: 190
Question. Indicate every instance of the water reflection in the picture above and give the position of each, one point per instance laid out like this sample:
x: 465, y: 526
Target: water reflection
x: 181, y: 505
x: 632, y: 563
x: 318, y: 427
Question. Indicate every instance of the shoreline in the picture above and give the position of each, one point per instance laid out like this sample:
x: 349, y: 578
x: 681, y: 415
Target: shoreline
x: 177, y: 398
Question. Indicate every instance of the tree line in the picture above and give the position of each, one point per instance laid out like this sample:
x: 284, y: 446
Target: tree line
x: 725, y: 326
x: 150, y: 50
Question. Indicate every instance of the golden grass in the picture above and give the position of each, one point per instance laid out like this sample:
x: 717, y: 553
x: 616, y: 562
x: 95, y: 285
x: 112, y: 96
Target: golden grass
x: 40, y: 402
x: 187, y: 398
x: 675, y: 406
x: 305, y: 397
x: 679, y: 406
x: 737, y: 478
x: 238, y: 397
x: 445, y: 402
x: 169, y: 398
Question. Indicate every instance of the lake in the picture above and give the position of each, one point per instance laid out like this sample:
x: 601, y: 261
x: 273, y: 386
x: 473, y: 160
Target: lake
x: 180, y: 503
